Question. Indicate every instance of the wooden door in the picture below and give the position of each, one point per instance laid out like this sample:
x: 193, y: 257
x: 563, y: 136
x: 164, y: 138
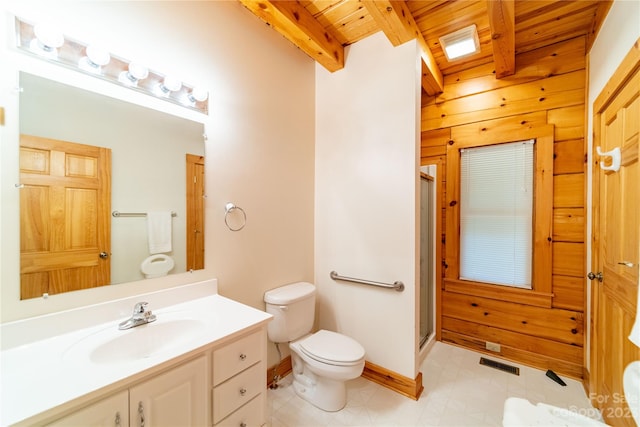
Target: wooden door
x: 195, y: 212
x: 616, y: 233
x: 65, y: 225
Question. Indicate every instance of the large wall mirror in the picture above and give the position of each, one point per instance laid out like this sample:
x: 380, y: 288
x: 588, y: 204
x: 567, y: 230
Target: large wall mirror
x: 99, y: 179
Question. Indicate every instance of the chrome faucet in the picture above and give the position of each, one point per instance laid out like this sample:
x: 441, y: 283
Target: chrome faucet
x: 139, y: 317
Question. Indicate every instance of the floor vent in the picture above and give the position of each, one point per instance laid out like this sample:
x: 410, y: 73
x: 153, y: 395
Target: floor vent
x: 498, y: 365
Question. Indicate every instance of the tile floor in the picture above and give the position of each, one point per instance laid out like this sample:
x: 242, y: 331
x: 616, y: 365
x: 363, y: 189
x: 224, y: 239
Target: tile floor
x: 458, y: 391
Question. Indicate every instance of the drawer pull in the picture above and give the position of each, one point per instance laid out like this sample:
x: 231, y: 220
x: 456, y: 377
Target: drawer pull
x: 243, y: 391
x: 243, y: 424
x: 140, y: 414
x: 243, y: 356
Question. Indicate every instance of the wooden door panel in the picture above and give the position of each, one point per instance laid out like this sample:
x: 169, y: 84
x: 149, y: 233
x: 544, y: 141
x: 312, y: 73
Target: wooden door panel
x: 81, y: 219
x: 81, y: 166
x: 616, y: 229
x: 34, y: 208
x: 47, y: 261
x: 34, y: 160
x: 65, y: 216
x: 195, y: 212
x: 72, y: 279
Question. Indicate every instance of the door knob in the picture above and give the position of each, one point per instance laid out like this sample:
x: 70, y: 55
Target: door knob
x: 592, y: 276
x: 104, y: 255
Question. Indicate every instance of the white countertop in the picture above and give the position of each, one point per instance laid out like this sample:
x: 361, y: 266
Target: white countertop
x: 43, y: 374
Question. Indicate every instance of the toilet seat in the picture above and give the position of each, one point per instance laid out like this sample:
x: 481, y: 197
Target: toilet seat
x: 157, y: 265
x: 332, y: 348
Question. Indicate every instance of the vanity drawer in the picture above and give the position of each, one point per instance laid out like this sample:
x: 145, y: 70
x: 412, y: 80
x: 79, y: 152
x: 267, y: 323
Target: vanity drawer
x: 237, y: 391
x: 237, y: 356
x: 250, y: 415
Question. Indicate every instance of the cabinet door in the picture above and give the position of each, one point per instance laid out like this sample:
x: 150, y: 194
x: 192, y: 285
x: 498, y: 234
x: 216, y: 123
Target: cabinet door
x: 110, y: 412
x: 174, y: 398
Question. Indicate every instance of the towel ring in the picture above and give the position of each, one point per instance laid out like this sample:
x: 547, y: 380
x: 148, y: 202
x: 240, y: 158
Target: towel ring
x: 230, y: 207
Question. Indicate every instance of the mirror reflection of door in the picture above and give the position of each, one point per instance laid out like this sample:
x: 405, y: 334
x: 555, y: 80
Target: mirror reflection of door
x: 65, y: 229
x: 195, y: 212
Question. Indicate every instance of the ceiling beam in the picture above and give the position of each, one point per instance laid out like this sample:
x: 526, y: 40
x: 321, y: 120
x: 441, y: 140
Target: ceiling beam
x: 502, y: 23
x: 397, y: 23
x: 295, y: 23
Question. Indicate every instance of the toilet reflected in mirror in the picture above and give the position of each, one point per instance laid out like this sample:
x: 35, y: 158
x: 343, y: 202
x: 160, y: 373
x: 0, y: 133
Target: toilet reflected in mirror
x: 157, y: 265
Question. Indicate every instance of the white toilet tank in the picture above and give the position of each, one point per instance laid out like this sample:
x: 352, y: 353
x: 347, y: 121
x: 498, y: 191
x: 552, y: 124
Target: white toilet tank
x: 293, y: 309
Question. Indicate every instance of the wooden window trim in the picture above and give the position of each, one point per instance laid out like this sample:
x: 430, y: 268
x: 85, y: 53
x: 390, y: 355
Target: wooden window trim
x: 541, y: 292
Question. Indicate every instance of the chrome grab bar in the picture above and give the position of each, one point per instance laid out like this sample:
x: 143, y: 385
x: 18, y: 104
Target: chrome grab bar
x: 397, y: 285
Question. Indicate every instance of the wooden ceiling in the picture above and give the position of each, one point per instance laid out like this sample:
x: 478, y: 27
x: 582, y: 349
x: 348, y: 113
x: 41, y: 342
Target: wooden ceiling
x: 322, y: 28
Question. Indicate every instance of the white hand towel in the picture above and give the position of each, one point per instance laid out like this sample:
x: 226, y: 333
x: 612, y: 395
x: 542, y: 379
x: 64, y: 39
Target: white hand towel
x: 159, y: 232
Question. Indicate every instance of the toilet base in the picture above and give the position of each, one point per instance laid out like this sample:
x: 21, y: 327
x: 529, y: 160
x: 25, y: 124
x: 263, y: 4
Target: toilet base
x: 324, y: 393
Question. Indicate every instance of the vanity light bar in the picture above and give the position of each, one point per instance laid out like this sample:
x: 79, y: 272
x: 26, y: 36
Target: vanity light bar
x: 52, y: 46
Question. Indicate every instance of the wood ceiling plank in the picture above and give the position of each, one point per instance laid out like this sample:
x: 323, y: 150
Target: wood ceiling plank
x: 396, y: 21
x: 296, y: 24
x: 602, y: 9
x: 554, y: 31
x: 552, y: 13
x: 538, y: 23
x: 321, y: 7
x: 454, y: 16
x: 502, y: 24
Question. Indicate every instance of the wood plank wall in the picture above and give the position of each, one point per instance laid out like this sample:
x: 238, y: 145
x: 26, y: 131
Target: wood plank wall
x: 547, y: 88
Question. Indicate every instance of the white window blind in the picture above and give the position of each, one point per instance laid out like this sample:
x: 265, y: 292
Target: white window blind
x: 496, y: 214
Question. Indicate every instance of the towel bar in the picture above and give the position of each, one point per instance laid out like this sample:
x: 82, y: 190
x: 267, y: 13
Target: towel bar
x: 117, y: 214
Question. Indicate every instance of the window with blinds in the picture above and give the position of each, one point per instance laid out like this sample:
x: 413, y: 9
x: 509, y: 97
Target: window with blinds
x: 496, y: 214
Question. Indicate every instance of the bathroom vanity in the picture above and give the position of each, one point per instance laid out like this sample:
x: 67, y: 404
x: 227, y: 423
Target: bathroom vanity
x: 201, y: 363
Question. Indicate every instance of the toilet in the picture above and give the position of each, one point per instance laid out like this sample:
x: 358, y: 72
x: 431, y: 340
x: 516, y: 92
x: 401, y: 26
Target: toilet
x: 322, y: 361
x: 157, y: 265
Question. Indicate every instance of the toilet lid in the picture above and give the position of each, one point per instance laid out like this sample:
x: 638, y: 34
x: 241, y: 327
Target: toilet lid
x: 332, y: 348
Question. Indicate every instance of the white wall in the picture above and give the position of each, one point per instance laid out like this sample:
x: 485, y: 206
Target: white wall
x: 619, y: 32
x: 367, y: 141
x: 259, y: 152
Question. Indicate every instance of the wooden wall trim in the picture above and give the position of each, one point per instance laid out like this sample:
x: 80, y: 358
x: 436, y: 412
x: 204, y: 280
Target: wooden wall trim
x: 528, y: 358
x: 564, y: 326
x: 392, y: 380
x: 497, y: 292
x: 514, y: 339
x: 280, y: 370
x: 540, y: 95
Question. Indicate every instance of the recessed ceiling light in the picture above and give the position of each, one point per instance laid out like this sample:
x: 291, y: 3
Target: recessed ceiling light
x: 461, y: 43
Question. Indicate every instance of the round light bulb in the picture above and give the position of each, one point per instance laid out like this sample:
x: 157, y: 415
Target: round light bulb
x: 171, y: 84
x: 137, y: 71
x: 97, y: 55
x: 199, y: 94
x: 49, y: 36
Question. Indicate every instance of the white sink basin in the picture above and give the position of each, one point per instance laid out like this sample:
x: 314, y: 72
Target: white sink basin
x: 112, y: 346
